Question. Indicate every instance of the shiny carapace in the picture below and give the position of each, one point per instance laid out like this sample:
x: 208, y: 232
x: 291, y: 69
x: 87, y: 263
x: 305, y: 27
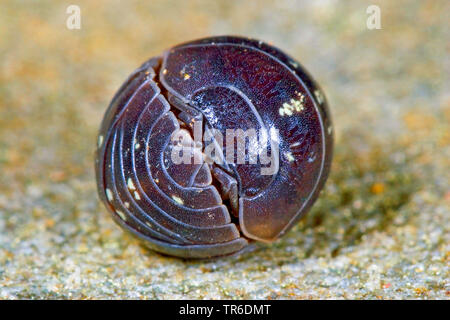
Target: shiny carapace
x: 194, y: 96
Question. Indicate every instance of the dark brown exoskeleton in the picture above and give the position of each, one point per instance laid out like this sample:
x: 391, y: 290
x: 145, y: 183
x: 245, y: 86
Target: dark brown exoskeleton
x: 214, y: 204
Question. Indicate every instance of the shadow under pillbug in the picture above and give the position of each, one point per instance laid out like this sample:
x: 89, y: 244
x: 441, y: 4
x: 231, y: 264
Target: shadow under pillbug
x: 214, y: 205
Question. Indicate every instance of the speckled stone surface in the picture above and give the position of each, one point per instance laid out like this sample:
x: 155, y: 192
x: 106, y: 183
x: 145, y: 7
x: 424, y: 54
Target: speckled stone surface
x: 380, y: 229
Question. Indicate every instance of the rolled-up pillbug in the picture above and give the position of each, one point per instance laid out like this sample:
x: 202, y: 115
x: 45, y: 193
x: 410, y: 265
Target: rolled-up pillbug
x: 216, y: 143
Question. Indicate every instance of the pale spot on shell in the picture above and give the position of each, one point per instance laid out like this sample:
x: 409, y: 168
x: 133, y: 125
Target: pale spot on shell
x: 100, y: 141
x: 130, y: 184
x: 121, y: 215
x: 289, y: 156
x: 178, y: 199
x: 319, y: 96
x: 294, y: 105
x: 137, y: 196
x: 312, y: 157
x: 109, y: 195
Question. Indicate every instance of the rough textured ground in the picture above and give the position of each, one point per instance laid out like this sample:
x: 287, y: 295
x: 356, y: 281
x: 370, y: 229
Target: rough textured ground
x: 380, y: 228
